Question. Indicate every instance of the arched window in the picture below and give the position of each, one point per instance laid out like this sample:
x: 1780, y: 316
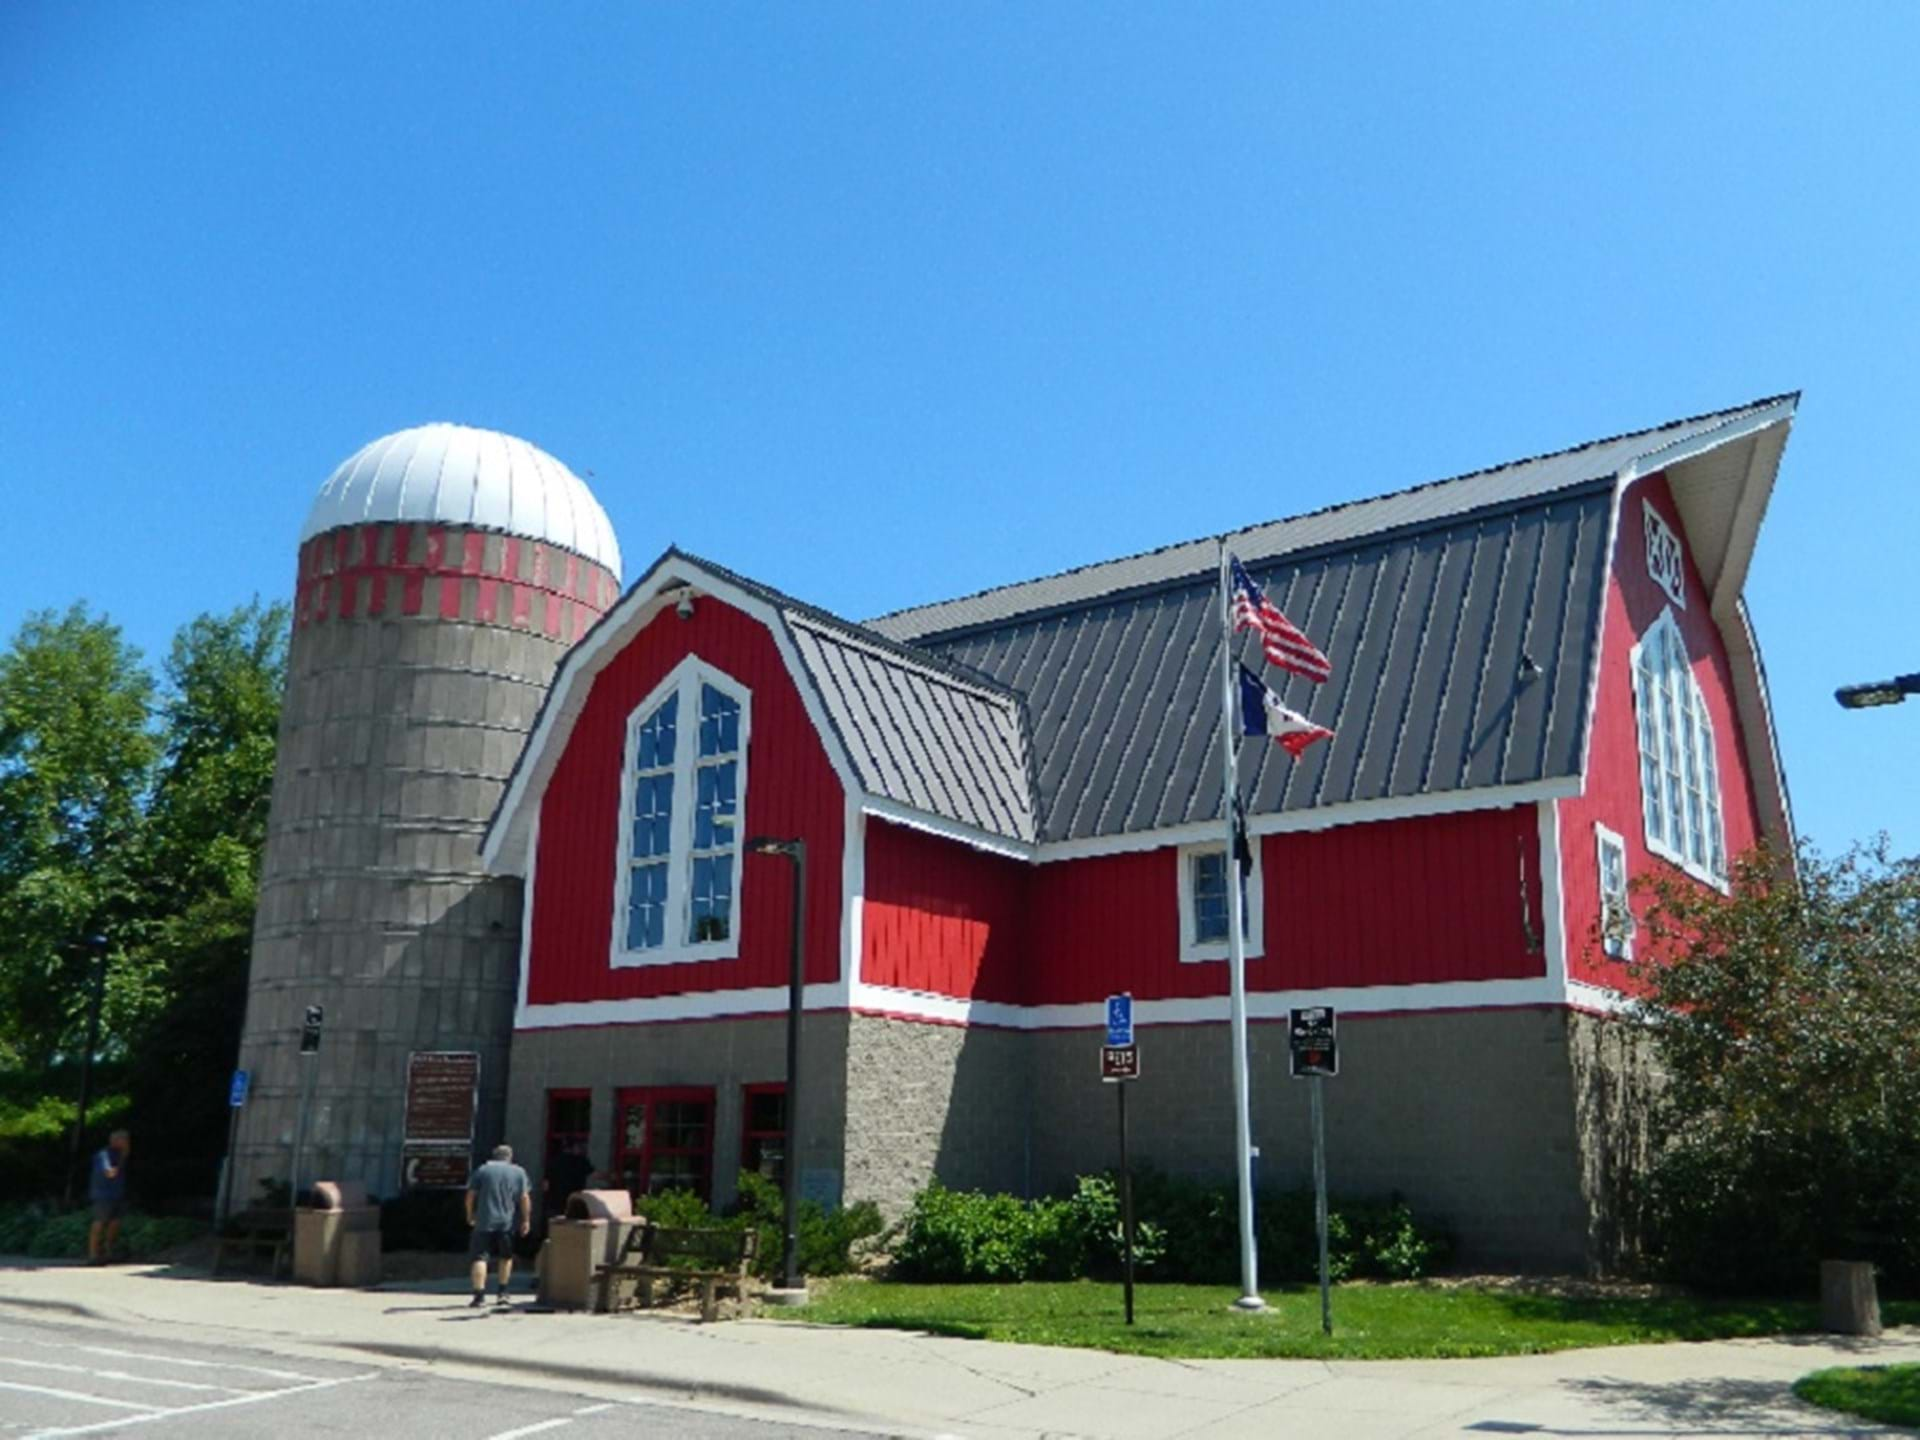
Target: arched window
x: 682, y: 800
x: 1679, y: 776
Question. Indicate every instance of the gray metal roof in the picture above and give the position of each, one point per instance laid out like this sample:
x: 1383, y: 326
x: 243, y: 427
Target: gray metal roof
x: 918, y: 728
x: 918, y: 735
x: 1427, y: 628
x: 1337, y: 525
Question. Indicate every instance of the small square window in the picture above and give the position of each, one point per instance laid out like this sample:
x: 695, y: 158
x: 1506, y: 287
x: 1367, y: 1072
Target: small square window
x: 1206, y: 903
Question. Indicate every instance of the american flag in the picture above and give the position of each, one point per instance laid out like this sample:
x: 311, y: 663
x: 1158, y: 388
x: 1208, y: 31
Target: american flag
x: 1284, y: 643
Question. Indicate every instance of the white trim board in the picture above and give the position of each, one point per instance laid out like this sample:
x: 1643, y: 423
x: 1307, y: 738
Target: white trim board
x: 861, y: 996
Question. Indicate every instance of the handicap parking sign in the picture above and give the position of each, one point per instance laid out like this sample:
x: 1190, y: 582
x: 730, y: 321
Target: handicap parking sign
x: 1120, y: 1020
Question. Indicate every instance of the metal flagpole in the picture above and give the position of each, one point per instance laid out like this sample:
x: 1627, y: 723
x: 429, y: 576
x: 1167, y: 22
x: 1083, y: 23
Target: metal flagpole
x: 1236, y: 953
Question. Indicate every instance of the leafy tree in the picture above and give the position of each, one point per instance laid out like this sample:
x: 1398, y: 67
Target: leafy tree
x: 76, y: 758
x: 1786, y: 1017
x: 181, y: 998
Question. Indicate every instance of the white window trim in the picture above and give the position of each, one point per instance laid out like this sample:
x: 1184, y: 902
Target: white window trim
x: 687, y: 677
x: 1662, y: 542
x: 1603, y: 838
x: 1190, y: 949
x: 1714, y: 805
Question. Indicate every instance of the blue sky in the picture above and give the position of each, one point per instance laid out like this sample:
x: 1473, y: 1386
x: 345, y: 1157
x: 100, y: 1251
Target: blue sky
x: 886, y: 303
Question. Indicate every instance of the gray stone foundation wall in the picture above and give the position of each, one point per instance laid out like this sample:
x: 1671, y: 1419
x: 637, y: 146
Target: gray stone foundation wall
x: 1517, y: 1128
x: 936, y: 1101
x: 1469, y: 1114
x: 722, y: 1055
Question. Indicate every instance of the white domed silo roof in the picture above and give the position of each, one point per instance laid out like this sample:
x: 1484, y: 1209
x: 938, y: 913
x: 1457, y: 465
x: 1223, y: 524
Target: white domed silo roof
x: 458, y: 475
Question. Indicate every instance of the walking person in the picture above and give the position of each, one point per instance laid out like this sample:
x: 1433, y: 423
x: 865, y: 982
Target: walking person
x: 499, y: 1206
x: 107, y: 1192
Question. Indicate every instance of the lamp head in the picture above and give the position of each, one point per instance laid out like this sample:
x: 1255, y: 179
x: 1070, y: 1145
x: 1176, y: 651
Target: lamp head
x: 684, y: 606
x: 1877, y: 692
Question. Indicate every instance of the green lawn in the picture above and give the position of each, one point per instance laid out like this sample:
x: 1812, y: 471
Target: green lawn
x: 1370, y: 1321
x: 1887, y: 1393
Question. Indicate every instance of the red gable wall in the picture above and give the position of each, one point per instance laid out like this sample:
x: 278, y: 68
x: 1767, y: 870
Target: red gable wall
x: 791, y: 790
x: 1612, y: 795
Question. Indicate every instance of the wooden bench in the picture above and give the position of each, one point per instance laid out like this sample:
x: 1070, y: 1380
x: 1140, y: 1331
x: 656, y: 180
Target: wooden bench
x: 257, y: 1232
x: 715, y: 1260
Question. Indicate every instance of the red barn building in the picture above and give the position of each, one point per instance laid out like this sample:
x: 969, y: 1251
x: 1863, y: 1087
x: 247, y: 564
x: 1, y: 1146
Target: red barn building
x: 1544, y: 684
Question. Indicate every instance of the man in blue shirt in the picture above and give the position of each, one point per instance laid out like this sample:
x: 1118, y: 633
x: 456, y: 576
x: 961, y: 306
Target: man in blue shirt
x: 499, y: 1205
x: 107, y: 1190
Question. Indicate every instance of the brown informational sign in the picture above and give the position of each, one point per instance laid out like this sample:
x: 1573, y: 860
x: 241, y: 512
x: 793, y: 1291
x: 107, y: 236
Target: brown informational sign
x: 434, y: 1167
x: 443, y: 1087
x: 1119, y: 1062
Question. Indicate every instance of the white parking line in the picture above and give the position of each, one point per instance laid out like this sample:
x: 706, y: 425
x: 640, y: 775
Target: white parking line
x: 116, y: 1375
x: 113, y: 1353
x: 593, y: 1409
x: 84, y: 1398
x: 532, y: 1429
x: 128, y: 1421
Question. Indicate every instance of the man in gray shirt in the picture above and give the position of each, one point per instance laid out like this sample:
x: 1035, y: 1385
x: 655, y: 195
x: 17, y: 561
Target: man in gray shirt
x: 499, y: 1206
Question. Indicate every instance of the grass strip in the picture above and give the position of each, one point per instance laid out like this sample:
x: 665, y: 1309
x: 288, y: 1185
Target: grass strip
x: 1887, y: 1393
x: 1378, y: 1322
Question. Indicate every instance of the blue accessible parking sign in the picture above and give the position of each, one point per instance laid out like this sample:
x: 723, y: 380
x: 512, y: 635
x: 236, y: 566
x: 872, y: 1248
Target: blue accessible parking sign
x: 1120, y: 1020
x: 237, y: 1096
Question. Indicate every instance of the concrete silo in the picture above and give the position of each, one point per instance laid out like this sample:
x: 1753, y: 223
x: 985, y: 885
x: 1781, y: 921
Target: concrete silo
x: 443, y: 573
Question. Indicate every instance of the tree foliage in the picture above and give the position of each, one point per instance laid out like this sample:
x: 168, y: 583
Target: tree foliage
x: 136, y: 812
x: 76, y: 754
x: 1786, y: 1017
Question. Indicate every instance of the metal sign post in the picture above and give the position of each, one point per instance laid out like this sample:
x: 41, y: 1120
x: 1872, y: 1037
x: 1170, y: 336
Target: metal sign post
x: 1120, y: 1066
x: 236, y: 1101
x: 309, y: 1050
x: 1316, y: 1055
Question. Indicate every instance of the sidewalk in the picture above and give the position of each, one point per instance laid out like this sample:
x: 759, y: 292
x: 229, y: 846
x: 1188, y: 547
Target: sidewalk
x: 927, y: 1386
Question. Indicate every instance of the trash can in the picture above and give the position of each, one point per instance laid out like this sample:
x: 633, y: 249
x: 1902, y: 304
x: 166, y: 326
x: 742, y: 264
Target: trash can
x: 591, y: 1233
x: 336, y: 1236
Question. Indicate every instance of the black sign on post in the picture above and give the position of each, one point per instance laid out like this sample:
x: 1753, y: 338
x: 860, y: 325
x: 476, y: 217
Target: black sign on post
x: 310, y: 1032
x: 1119, y: 1062
x: 1316, y: 1050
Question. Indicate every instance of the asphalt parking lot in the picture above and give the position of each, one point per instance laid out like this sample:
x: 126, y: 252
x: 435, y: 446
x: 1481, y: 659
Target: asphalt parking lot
x: 60, y: 1380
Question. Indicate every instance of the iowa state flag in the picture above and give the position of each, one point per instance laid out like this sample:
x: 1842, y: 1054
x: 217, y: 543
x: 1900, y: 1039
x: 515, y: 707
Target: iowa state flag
x: 1261, y: 713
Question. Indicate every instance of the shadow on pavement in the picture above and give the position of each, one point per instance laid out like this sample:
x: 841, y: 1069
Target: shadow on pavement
x: 1706, y: 1407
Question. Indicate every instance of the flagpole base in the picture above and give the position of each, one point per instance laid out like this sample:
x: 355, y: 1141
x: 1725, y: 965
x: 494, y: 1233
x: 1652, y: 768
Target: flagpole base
x: 1250, y: 1304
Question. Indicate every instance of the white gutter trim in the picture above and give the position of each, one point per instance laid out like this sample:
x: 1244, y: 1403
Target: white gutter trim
x: 1674, y: 454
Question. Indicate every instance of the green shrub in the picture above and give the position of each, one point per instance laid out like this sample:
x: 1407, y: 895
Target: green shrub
x: 827, y: 1237
x: 676, y: 1210
x: 965, y: 1235
x: 49, y: 1234
x: 1186, y: 1230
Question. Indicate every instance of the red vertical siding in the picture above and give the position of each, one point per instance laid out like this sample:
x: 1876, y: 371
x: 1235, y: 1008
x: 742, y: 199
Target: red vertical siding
x: 1612, y: 793
x: 941, y: 917
x: 791, y: 790
x: 1408, y: 902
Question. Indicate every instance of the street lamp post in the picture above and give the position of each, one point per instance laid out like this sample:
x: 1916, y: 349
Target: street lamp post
x: 97, y: 944
x: 1877, y: 692
x: 796, y: 851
